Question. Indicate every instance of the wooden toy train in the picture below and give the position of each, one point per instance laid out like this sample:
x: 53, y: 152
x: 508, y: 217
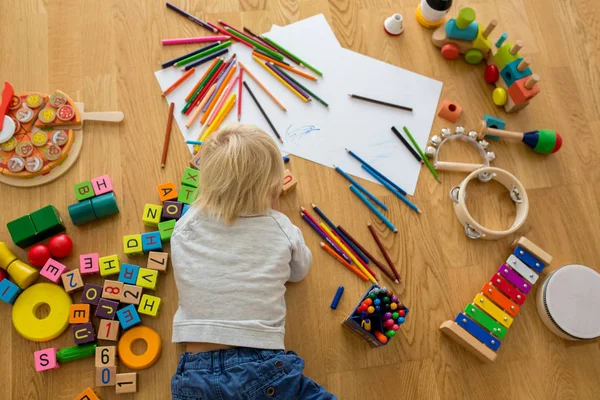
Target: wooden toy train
x: 515, y: 83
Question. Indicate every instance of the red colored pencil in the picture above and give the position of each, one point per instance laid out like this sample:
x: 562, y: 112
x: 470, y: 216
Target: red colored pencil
x: 384, y: 251
x: 197, y: 85
x: 205, y: 89
x: 239, y: 99
x: 224, y: 32
x: 344, y: 263
x: 259, y: 39
x: 167, y: 136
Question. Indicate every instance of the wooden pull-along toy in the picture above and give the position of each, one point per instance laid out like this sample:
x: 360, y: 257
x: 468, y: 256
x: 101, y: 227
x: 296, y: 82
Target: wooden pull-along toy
x: 543, y: 141
x: 41, y: 135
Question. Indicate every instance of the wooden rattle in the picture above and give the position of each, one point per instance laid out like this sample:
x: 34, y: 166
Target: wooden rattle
x: 543, y: 141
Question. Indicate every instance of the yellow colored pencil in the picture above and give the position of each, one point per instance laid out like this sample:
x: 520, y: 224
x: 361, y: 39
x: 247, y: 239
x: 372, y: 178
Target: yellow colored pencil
x: 228, y: 106
x: 216, y: 96
x: 259, y: 83
x: 341, y: 245
x: 198, y: 110
x: 287, y: 85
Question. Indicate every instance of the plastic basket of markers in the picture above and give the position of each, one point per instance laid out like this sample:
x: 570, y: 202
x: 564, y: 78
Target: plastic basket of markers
x: 377, y: 316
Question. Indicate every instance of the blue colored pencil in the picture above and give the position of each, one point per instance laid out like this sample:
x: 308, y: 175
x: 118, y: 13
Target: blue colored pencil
x: 362, y: 189
x: 398, y: 188
x: 183, y: 57
x: 351, y: 244
x: 323, y: 216
x: 205, y: 59
x: 391, y: 189
x: 194, y: 142
x: 373, y: 209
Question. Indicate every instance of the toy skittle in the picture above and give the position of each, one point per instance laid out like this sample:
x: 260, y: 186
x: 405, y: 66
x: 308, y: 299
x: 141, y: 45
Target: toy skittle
x: 544, y: 141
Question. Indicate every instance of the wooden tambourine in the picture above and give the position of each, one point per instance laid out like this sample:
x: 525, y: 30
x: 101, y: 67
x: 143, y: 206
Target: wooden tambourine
x: 474, y: 229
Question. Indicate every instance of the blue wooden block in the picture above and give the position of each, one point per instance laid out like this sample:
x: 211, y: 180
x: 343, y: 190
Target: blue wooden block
x: 8, y: 291
x: 129, y: 274
x: 477, y: 331
x: 454, y: 32
x: 529, y: 259
x: 128, y: 317
x: 186, y: 207
x: 493, y: 122
x: 510, y: 73
x: 151, y: 242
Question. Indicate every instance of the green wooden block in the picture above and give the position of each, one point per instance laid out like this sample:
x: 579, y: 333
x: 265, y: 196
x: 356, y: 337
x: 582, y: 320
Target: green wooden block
x: 84, y: 190
x: 485, y: 320
x: 81, y: 213
x: 166, y: 229
x: 503, y: 56
x: 105, y: 205
x: 187, y: 194
x: 47, y: 222
x: 191, y: 177
x: 23, y: 232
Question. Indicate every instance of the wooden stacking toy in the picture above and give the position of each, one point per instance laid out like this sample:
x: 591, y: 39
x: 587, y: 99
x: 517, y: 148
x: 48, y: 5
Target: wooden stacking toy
x: 96, y: 200
x: 22, y: 274
x: 485, y: 321
x: 543, y: 141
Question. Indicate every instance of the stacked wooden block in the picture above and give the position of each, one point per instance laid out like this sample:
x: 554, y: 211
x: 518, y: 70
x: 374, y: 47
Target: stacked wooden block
x: 96, y: 200
x: 21, y: 273
x: 35, y: 227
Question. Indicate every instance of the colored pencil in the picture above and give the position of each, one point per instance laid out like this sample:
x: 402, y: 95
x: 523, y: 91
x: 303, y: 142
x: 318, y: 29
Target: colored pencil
x: 254, y: 43
x: 407, y: 145
x: 203, y: 54
x: 225, y: 94
x: 302, y: 62
x: 286, y: 53
x: 373, y: 208
x: 205, y: 84
x: 220, y: 117
x: 183, y: 57
x: 391, y: 189
x: 375, y: 261
x: 357, y: 263
x: 197, y: 85
x: 362, y: 189
x: 384, y: 251
x: 344, y: 263
x: 191, y: 17
x: 267, y: 57
x: 214, y: 79
x: 351, y: 250
x: 212, y: 115
x: 206, y: 58
x: 321, y: 214
x: 259, y: 83
x: 284, y: 66
x: 198, y: 110
x: 291, y: 89
x: 179, y: 81
x: 167, y: 136
x: 193, y: 142
x: 383, y: 103
x: 240, y: 81
x: 221, y: 85
x: 281, y: 71
x: 355, y: 249
x: 315, y: 225
x: 202, y: 39
x: 224, y: 32
x: 263, y: 112
x: 259, y: 40
x: 423, y: 156
x: 289, y: 81
x: 360, y: 160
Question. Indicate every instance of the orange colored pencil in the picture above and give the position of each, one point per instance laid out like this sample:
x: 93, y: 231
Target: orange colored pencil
x: 344, y: 263
x: 179, y: 81
x: 224, y: 96
x: 259, y: 83
x: 189, y: 96
x: 198, y: 109
x: 213, y: 103
x: 291, y: 69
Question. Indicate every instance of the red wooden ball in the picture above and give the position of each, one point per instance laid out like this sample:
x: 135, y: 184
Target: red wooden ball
x: 38, y: 255
x: 60, y: 245
x: 2, y: 274
x: 491, y: 74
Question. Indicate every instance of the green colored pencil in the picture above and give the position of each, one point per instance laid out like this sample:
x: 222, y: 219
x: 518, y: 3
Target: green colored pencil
x: 320, y: 100
x: 423, y: 156
x: 254, y: 43
x: 278, y: 47
x: 203, y: 54
x: 204, y: 81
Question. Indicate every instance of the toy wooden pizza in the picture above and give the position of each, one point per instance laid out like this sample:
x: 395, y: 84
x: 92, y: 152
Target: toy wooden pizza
x: 41, y: 135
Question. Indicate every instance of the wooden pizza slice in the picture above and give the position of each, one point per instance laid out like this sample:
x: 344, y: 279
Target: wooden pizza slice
x: 25, y: 108
x: 59, y: 111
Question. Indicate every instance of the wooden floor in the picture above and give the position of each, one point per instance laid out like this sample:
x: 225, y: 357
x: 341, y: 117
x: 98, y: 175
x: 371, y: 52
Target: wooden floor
x: 104, y: 53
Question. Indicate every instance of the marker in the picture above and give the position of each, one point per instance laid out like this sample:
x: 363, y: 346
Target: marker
x: 337, y: 297
x: 366, y: 324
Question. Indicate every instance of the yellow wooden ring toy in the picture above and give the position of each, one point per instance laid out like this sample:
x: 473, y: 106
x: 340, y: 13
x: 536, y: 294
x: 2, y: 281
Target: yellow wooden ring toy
x: 41, y: 330
x: 146, y: 360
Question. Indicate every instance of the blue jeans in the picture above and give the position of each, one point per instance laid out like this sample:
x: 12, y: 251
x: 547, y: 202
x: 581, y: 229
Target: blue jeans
x: 244, y: 373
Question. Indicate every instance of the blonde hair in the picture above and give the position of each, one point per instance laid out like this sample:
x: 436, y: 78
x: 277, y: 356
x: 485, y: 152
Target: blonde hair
x: 241, y: 172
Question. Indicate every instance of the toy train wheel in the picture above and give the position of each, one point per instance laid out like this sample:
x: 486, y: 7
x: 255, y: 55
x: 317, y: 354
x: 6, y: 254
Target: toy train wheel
x: 450, y: 51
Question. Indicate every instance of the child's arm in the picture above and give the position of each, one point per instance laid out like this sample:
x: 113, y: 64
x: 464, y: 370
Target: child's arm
x: 301, y: 257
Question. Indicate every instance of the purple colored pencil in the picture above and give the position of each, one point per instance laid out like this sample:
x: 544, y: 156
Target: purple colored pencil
x: 289, y: 82
x: 219, y: 82
x: 326, y: 238
x: 191, y: 17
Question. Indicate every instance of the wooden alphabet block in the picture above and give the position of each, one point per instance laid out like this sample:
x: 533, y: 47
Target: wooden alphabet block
x: 84, y: 190
x: 108, y: 330
x: 72, y: 281
x: 167, y: 191
x: 151, y: 242
x: 126, y: 383
x: 102, y: 185
x: 465, y: 339
x: 88, y: 264
x: 289, y: 181
x: 165, y: 228
x: 149, y: 305
x: 91, y: 294
x: 132, y: 245
x: 128, y: 317
x: 187, y: 194
x: 45, y: 359
x: 106, y: 356
x: 106, y: 309
x: 131, y: 294
x: 83, y: 333
x: 87, y: 394
x: 129, y: 274
x: 158, y: 261
x: 109, y: 265
x: 191, y: 177
x: 147, y: 278
x: 8, y: 291
x: 112, y: 290
x: 79, y: 314
x: 106, y: 376
x: 52, y: 270
x: 151, y: 215
x: 186, y: 207
x: 172, y: 210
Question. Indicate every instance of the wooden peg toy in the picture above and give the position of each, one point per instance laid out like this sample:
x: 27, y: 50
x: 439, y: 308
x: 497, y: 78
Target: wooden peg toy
x: 107, y: 309
x: 106, y: 356
x: 128, y: 317
x: 6, y: 256
x: 89, y: 264
x: 126, y: 383
x: 106, y: 376
x: 151, y: 215
x: 543, y: 141
x: 157, y: 261
x: 79, y: 314
x: 109, y: 265
x: 23, y: 274
x: 149, y: 357
x: 108, y: 330
x: 289, y: 182
x: 165, y: 228
x: 72, y: 281
x: 147, y: 278
x: 132, y: 245
x: 131, y: 294
x: 91, y: 294
x: 128, y: 274
x: 167, y: 191
x: 45, y: 359
x: 87, y: 394
x: 112, y: 289
x: 52, y: 270
x: 83, y: 333
x: 149, y: 305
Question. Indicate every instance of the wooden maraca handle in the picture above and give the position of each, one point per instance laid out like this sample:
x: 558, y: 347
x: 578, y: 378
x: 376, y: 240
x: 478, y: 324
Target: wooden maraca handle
x: 485, y: 130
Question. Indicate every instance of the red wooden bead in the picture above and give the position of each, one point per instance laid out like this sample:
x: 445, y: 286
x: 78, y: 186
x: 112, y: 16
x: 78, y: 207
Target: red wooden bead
x: 450, y: 51
x: 60, y: 245
x: 491, y: 74
x: 2, y: 274
x: 38, y: 255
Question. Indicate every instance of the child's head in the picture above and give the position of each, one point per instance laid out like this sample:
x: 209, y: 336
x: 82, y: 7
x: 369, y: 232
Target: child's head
x: 241, y: 172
